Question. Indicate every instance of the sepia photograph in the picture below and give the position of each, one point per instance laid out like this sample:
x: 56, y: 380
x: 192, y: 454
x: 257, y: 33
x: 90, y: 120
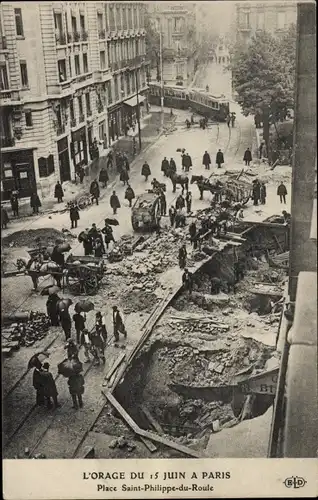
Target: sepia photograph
x: 158, y: 239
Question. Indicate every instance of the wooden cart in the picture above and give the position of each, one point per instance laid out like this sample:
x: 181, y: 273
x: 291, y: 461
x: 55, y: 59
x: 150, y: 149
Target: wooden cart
x: 83, y: 274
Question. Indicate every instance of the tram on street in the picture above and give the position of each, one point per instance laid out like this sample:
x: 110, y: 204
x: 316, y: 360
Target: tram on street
x: 200, y: 101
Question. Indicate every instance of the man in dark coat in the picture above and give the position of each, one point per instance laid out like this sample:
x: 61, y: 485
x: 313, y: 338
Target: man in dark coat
x: 66, y: 322
x: 180, y: 203
x: 282, y: 192
x: 58, y: 192
x: 263, y: 193
x: 49, y: 386
x: 256, y: 191
x: 4, y: 218
x: 247, y: 157
x: 187, y: 162
x: 51, y: 309
x: 182, y: 256
x: 124, y: 176
x: 163, y: 202
x: 103, y: 177
x: 206, y: 160
x: 187, y: 280
x: 94, y: 191
x: 101, y: 326
x: 76, y: 387
x: 193, y: 232
x: 108, y: 232
x: 172, y: 215
x: 71, y: 349
x: 59, y: 259
x: 129, y: 194
x: 172, y: 166
x: 114, y: 202
x: 35, y: 202
x: 188, y: 200
x: 118, y: 323
x: 165, y: 166
x: 145, y: 171
x: 37, y: 384
x: 81, y: 174
x: 79, y: 323
x: 97, y: 342
x: 219, y: 158
x: 87, y: 241
x: 14, y: 200
x: 74, y: 215
x: 216, y: 285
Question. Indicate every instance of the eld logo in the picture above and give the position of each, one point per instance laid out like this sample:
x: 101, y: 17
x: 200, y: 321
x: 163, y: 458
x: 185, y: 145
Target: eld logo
x: 294, y: 482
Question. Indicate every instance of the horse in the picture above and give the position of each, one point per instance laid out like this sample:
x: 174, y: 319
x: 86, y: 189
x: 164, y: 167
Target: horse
x: 181, y: 179
x: 205, y: 185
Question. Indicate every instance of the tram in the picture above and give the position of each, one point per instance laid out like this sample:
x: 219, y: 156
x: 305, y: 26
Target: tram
x: 204, y: 103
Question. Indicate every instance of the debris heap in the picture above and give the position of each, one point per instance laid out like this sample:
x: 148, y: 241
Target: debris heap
x: 24, y: 333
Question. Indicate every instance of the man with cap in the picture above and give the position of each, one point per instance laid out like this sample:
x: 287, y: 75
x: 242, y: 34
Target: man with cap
x: 49, y: 386
x: 118, y: 322
x: 187, y: 280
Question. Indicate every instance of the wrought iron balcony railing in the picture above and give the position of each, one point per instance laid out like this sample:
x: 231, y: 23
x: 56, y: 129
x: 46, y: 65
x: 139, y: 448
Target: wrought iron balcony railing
x: 60, y: 39
x: 73, y: 123
x: 102, y: 34
x: 84, y: 36
x: 76, y: 36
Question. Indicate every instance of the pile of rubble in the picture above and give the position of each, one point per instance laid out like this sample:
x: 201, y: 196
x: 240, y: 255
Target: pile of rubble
x: 24, y: 333
x: 31, y: 237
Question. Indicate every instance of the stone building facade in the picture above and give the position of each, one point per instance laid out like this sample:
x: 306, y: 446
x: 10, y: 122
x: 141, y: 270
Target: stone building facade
x: 274, y: 17
x: 58, y: 83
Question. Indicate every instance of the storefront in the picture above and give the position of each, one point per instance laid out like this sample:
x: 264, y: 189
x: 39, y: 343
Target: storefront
x: 17, y: 173
x: 64, y: 159
x: 115, y: 122
x: 79, y: 148
x: 131, y: 107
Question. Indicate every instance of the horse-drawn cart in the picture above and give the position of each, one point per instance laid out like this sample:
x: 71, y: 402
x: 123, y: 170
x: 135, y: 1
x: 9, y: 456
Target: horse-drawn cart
x: 83, y: 274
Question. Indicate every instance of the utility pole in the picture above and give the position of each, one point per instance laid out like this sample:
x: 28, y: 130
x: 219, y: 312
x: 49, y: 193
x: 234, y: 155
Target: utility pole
x: 161, y: 79
x: 138, y: 111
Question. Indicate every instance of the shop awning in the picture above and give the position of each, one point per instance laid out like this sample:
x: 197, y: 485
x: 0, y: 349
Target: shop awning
x: 132, y: 102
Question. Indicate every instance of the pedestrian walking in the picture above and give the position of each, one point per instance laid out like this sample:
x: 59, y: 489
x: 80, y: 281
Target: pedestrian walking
x: 180, y: 220
x: 187, y: 280
x: 282, y: 192
x: 51, y: 309
x: 86, y: 343
x: 261, y: 150
x: 81, y: 174
x: 14, y: 200
x: 38, y: 385
x: 114, y: 202
x: 71, y: 349
x: 129, y: 194
x: 124, y: 176
x: 172, y: 215
x: 94, y: 191
x: 193, y: 232
x: 97, y: 348
x: 35, y: 202
x: 76, y: 385
x: 188, y: 200
x: 103, y: 177
x: 263, y: 193
x: 145, y: 171
x: 228, y: 121
x: 219, y: 158
x: 247, y: 157
x: 58, y: 192
x: 49, y: 387
x: 118, y: 323
x: 66, y: 322
x: 182, y: 256
x: 172, y: 167
x: 108, y: 232
x: 165, y: 166
x: 79, y: 323
x: 233, y: 118
x: 100, y: 326
x: 206, y: 160
x: 186, y: 162
x: 87, y: 241
x: 74, y: 215
x: 256, y: 191
x: 163, y: 204
x: 99, y: 249
x: 180, y: 202
x: 4, y: 218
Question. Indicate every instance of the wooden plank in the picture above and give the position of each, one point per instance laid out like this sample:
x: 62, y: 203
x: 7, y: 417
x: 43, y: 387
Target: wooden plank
x: 148, y: 435
x: 151, y: 447
x: 118, y: 361
x: 264, y: 224
x: 152, y: 420
x: 263, y: 292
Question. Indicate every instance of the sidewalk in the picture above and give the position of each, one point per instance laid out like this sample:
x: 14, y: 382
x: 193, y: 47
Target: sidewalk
x: 150, y: 132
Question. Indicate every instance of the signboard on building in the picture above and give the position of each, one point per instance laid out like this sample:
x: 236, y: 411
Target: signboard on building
x: 263, y: 383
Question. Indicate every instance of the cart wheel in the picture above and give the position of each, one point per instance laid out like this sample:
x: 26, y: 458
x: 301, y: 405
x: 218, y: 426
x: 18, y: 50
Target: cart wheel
x: 83, y: 202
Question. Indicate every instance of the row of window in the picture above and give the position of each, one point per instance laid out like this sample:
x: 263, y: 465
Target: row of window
x: 4, y: 79
x: 125, y: 49
x: 245, y: 20
x: 202, y: 99
x: 124, y: 17
x: 65, y: 70
x: 175, y: 24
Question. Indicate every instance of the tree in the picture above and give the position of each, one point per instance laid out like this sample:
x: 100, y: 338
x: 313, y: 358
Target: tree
x: 152, y: 45
x: 263, y: 77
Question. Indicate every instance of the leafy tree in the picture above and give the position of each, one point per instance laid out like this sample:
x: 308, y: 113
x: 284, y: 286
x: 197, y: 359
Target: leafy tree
x: 263, y: 76
x: 152, y: 45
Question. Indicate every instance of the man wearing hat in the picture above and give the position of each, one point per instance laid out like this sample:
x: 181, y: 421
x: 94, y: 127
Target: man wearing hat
x: 118, y: 322
x: 49, y: 386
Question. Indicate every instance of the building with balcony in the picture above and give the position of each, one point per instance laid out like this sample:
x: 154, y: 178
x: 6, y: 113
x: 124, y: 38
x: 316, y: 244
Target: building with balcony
x: 274, y: 17
x: 53, y: 95
x: 122, y: 26
x: 176, y: 22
